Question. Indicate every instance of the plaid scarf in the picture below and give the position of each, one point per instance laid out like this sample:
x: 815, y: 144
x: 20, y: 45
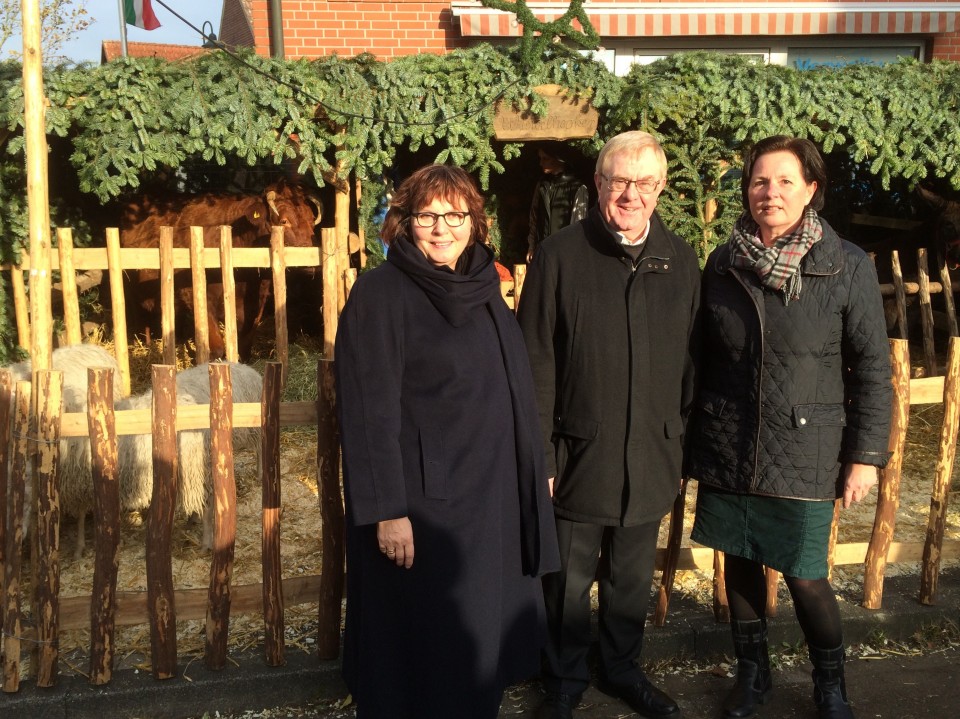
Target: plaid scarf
x: 777, y: 267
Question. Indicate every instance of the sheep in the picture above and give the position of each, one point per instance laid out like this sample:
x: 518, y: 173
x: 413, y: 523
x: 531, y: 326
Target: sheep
x: 194, y: 489
x: 76, y: 482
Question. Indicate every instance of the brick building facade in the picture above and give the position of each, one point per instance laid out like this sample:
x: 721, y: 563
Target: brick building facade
x: 789, y: 33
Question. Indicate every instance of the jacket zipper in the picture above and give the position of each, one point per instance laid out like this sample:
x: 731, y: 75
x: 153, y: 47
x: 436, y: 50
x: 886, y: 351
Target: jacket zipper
x: 763, y: 352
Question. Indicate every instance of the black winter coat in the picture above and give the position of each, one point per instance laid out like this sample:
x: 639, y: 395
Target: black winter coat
x: 790, y: 393
x: 613, y: 364
x: 439, y: 423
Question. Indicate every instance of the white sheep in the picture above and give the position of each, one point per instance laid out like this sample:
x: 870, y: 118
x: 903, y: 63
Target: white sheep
x: 76, y: 482
x: 194, y: 483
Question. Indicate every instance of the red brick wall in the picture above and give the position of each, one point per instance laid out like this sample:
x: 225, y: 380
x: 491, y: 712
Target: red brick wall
x: 947, y: 47
x: 386, y: 29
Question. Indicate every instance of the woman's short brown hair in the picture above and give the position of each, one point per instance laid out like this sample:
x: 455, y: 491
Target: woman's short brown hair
x: 811, y: 164
x: 423, y: 187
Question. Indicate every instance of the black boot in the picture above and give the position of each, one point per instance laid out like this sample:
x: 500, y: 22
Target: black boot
x: 829, y: 687
x: 753, y: 669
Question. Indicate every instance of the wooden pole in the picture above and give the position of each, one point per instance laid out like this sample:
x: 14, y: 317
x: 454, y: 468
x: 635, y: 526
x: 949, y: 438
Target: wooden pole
x: 933, y: 548
x: 224, y: 514
x: 49, y: 406
x: 947, y: 283
x: 118, y: 306
x: 201, y: 312
x: 772, y: 577
x: 20, y: 307
x: 519, y: 275
x: 38, y: 201
x: 102, y: 427
x: 721, y: 608
x: 6, y: 402
x: 160, y: 598
x: 68, y: 284
x: 278, y: 270
x: 341, y: 218
x: 900, y: 293
x: 674, y: 537
x: 14, y: 540
x: 168, y: 330
x: 926, y: 314
x: 888, y: 492
x: 229, y: 294
x: 273, y: 607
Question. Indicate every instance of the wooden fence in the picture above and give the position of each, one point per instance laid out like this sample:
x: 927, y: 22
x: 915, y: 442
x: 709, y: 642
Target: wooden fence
x: 162, y: 603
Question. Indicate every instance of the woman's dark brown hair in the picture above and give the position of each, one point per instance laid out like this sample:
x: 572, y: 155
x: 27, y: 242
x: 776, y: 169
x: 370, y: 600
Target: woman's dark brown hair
x: 423, y: 187
x: 811, y: 164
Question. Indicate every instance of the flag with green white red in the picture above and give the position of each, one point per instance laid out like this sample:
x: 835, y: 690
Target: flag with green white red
x: 140, y: 13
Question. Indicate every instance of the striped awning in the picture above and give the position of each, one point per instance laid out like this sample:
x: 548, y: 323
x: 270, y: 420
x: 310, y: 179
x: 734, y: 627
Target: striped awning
x: 667, y: 19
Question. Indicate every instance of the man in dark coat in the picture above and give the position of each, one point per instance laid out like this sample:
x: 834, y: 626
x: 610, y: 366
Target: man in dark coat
x: 608, y: 313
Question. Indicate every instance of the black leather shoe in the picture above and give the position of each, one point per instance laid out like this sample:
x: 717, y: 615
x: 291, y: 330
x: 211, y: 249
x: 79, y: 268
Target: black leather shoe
x: 557, y: 706
x: 644, y: 698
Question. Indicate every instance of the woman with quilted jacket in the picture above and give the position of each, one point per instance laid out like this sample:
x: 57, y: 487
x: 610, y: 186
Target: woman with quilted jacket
x: 793, y: 410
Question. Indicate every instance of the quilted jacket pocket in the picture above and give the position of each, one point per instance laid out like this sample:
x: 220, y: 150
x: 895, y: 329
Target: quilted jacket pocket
x: 434, y: 471
x: 819, y: 415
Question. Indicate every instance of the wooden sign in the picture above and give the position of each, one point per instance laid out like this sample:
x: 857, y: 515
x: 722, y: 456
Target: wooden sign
x: 567, y: 118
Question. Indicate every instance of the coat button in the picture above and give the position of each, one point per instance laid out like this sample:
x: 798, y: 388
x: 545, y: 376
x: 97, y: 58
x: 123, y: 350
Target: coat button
x: 803, y: 420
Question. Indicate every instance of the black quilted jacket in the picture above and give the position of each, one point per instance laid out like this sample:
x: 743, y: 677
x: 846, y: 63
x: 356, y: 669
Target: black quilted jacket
x: 788, y: 394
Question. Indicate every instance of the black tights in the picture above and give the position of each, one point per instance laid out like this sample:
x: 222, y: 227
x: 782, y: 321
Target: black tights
x: 813, y: 600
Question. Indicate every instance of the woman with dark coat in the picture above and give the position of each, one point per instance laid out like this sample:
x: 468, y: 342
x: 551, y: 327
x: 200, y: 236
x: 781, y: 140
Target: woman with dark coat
x: 449, y: 521
x: 793, y: 410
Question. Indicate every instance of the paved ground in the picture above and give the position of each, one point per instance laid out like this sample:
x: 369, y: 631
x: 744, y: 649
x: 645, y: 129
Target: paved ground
x: 685, y: 656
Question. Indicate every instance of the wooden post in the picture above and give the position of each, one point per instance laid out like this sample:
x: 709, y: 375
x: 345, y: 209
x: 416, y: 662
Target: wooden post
x: 20, y: 307
x: 278, y: 268
x: 102, y: 427
x: 115, y: 269
x: 68, y: 284
x: 946, y: 283
x: 331, y: 291
x: 201, y: 311
x: 361, y: 232
x: 933, y: 547
x: 160, y: 601
x: 926, y: 313
x: 349, y: 279
x: 49, y: 407
x: 331, y: 513
x: 900, y: 292
x: 341, y: 218
x: 14, y: 540
x: 270, y: 550
x: 6, y: 402
x: 224, y: 514
x: 168, y: 330
x: 772, y: 577
x: 834, y: 533
x: 888, y: 492
x: 38, y: 202
x: 721, y: 608
x: 519, y: 275
x: 674, y: 537
x: 229, y: 293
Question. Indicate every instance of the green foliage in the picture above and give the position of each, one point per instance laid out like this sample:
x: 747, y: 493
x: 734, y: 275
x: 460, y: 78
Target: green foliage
x: 132, y: 121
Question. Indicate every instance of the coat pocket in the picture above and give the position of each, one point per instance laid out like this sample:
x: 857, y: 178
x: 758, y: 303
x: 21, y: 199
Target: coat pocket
x: 673, y: 428
x: 431, y: 457
x: 712, y: 404
x: 575, y: 427
x: 819, y: 415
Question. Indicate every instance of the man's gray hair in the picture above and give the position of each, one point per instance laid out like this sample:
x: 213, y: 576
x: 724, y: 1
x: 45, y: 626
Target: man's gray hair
x: 635, y: 141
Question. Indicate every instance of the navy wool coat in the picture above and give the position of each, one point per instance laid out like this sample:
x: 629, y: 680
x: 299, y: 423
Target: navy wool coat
x: 439, y: 424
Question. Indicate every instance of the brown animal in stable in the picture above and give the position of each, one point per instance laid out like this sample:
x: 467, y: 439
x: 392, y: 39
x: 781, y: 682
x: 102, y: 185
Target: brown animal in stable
x: 251, y: 217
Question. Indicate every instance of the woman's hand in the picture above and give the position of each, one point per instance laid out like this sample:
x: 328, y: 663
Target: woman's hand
x: 550, y: 484
x: 395, y: 538
x: 858, y: 480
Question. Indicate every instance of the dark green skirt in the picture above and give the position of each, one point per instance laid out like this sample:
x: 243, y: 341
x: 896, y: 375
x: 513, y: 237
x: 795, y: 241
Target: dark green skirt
x: 789, y: 535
